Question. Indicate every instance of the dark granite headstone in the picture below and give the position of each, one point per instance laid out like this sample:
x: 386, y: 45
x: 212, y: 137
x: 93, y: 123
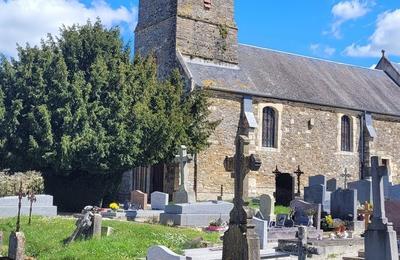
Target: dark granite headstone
x: 364, y: 190
x: 315, y: 194
x: 331, y: 185
x: 317, y: 180
x: 344, y: 204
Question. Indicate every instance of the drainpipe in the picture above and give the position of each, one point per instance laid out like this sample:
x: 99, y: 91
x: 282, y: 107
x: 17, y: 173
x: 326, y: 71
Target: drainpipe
x: 362, y: 145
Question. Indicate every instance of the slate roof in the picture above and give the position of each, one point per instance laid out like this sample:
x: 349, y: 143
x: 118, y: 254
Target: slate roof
x: 396, y: 66
x: 275, y: 74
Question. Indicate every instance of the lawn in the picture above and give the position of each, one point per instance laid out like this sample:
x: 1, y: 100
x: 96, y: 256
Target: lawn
x: 44, y: 239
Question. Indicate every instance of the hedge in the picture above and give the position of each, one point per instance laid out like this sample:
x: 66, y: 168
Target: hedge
x: 10, y: 182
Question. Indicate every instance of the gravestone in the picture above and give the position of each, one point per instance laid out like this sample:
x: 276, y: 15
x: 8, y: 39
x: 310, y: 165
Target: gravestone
x: 393, y: 213
x: 185, y: 194
x: 364, y: 190
x: 315, y: 194
x: 344, y: 204
x: 198, y: 214
x: 106, y: 231
x: 43, y: 206
x: 16, y: 246
x: 317, y: 180
x: 394, y: 192
x: 267, y: 207
x: 380, y: 238
x: 331, y: 185
x: 261, y: 227
x: 241, y: 240
x: 159, y: 200
x: 96, y: 226
x: 139, y: 199
x: 302, y: 209
x: 162, y: 253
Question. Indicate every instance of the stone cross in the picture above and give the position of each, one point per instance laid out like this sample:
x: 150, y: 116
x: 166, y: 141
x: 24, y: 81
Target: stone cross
x: 20, y: 195
x: 345, y: 175
x: 184, y: 194
x: 241, y: 240
x: 32, y: 199
x: 183, y: 158
x: 378, y: 172
x: 298, y: 173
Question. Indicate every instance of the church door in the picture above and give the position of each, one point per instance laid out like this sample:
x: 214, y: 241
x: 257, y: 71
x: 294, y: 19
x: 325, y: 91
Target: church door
x: 284, y: 189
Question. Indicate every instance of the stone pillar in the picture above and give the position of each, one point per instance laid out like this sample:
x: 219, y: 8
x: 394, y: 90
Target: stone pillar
x: 16, y: 246
x: 96, y: 227
x: 302, y: 246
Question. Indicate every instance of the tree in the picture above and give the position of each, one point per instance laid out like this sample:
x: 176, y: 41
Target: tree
x: 81, y: 110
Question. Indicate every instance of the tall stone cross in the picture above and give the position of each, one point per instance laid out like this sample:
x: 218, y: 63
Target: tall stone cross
x: 378, y: 172
x: 240, y: 240
x: 184, y: 193
x: 345, y: 175
x: 380, y: 239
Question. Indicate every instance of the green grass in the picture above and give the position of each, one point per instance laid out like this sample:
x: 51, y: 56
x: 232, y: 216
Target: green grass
x: 44, y: 239
x: 255, y: 204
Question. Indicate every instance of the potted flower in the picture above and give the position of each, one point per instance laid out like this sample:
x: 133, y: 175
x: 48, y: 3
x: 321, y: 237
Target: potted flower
x: 217, y: 225
x: 114, y: 206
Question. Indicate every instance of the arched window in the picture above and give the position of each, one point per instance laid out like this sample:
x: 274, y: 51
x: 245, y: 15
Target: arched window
x: 269, y: 127
x: 346, y: 134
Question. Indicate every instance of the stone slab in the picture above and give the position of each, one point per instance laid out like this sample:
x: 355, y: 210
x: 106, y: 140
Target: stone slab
x: 331, y: 185
x: 267, y: 207
x: 159, y: 200
x: 216, y: 254
x: 12, y: 211
x: 184, y: 196
x: 41, y: 200
x: 344, y: 204
x: 211, y: 207
x: 162, y: 253
x: 139, y: 199
x: 274, y: 234
x: 364, y: 190
x: 317, y: 180
x: 393, y: 214
x: 261, y: 227
x: 191, y: 220
x: 315, y: 194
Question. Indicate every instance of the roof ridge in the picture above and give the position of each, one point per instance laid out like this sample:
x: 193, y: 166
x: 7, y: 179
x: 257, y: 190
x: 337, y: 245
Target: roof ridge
x: 307, y: 57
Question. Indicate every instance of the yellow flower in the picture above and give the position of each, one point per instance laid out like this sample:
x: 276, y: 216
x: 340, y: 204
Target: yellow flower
x: 114, y: 206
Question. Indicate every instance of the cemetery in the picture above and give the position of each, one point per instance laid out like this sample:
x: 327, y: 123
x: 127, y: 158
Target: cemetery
x: 191, y: 146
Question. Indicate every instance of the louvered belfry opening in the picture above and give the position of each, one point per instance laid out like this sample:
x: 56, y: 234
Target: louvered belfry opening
x: 346, y: 134
x: 269, y: 127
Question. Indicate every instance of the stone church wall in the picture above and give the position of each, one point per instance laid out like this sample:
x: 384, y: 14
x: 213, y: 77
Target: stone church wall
x: 315, y: 148
x: 387, y: 145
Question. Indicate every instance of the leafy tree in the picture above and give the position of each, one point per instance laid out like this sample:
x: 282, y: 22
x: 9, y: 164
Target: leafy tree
x: 79, y: 109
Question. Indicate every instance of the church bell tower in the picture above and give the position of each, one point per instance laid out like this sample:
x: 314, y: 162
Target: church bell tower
x: 203, y: 30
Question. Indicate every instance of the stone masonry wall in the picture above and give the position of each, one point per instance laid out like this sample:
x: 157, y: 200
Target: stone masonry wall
x: 316, y: 149
x: 387, y: 145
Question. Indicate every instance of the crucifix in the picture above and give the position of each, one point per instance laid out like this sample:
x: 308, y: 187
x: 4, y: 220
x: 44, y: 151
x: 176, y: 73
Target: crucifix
x: 345, y: 175
x: 366, y: 211
x: 240, y: 240
x: 32, y: 199
x: 20, y: 195
x: 298, y: 173
x: 184, y: 194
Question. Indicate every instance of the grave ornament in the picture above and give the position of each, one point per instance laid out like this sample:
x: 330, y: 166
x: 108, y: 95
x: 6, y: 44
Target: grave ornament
x: 87, y: 224
x: 345, y: 175
x: 380, y: 238
x: 32, y: 199
x: 298, y: 173
x: 241, y: 240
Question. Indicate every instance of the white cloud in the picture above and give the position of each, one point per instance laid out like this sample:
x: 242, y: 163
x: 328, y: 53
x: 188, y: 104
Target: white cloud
x: 24, y: 21
x: 386, y: 37
x: 322, y: 50
x: 345, y: 11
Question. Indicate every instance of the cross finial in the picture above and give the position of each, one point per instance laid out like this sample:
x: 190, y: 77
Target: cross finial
x: 383, y: 53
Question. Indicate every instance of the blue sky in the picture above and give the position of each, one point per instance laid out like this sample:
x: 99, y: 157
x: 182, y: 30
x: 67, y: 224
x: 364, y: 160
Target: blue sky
x: 349, y: 31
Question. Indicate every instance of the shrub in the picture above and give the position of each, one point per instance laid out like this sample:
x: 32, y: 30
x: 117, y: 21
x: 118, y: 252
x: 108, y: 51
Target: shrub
x: 10, y: 182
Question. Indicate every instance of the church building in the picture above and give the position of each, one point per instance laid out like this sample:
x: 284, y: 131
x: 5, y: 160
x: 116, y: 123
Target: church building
x: 320, y: 116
